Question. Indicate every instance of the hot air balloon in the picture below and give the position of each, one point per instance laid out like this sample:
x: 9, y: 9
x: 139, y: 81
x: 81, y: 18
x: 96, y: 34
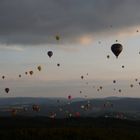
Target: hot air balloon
x: 7, y: 90
x: 122, y: 66
x: 101, y: 87
x: 13, y: 112
x: 57, y: 37
x: 3, y: 77
x: 50, y: 53
x: 108, y: 56
x: 58, y: 64
x: 19, y: 76
x: 114, y: 81
x: 117, y: 49
x: 31, y: 72
x: 82, y: 77
x: 136, y: 79
x: 69, y: 97
x: 39, y: 68
x: 131, y: 85
x: 120, y: 90
x: 26, y: 73
x: 36, y: 108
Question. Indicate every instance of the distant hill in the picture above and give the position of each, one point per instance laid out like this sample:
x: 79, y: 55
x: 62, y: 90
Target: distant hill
x: 126, y: 108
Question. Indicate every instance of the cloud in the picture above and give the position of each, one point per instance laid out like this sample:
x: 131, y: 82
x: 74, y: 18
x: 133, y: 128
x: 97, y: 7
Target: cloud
x: 35, y: 22
x: 12, y: 48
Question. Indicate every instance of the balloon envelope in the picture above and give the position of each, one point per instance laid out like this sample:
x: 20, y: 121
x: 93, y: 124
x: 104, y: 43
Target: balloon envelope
x: 116, y: 49
x: 7, y: 90
x: 50, y: 53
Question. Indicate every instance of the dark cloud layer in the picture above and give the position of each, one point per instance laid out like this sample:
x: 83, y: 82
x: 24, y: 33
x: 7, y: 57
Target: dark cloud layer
x: 38, y: 21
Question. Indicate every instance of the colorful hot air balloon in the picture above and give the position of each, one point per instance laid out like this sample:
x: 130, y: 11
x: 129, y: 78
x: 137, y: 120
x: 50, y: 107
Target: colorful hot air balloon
x: 69, y: 97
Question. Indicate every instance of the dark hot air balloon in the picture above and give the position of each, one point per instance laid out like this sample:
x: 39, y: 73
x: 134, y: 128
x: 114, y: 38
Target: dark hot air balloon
x: 58, y: 65
x: 31, y: 72
x: 3, y: 77
x: 50, y: 53
x: 7, y: 90
x: 39, y: 68
x: 116, y: 49
x: 57, y: 37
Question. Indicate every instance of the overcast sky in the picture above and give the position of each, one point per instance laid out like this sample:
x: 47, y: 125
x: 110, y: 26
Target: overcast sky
x: 28, y: 29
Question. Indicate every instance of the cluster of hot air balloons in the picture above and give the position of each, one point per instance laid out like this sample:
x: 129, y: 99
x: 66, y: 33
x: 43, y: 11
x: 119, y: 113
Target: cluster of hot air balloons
x: 116, y: 49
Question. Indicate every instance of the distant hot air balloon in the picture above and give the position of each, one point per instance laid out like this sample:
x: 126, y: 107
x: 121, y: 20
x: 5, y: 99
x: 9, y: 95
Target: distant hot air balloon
x: 82, y: 77
x: 57, y: 37
x: 39, y: 68
x: 19, y: 76
x: 36, y: 108
x: 31, y: 72
x: 108, y: 56
x: 131, y: 85
x: 116, y: 49
x: 50, y: 53
x: 114, y: 81
x: 26, y: 73
x: 122, y: 66
x: 69, y: 97
x: 13, y: 112
x: 101, y: 87
x: 3, y: 77
x: 58, y: 64
x: 120, y: 90
x: 7, y: 90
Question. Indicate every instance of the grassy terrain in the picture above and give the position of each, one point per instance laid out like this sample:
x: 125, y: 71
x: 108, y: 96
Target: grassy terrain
x: 68, y: 129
